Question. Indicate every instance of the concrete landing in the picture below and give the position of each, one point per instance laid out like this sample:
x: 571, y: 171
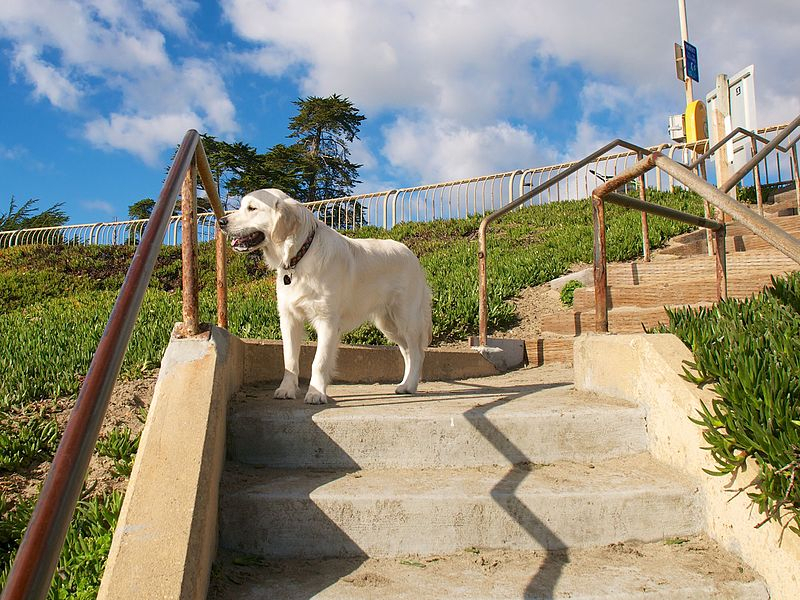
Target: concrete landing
x: 685, y: 568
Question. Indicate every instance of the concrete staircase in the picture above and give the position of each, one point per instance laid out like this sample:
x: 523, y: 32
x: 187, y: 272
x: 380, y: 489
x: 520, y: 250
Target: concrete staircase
x: 679, y: 275
x: 512, y: 486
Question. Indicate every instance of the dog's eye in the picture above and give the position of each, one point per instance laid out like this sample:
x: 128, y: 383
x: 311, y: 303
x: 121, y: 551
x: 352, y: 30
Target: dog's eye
x: 251, y: 207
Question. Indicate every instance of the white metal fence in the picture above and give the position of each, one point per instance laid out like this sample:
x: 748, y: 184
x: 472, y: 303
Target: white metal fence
x: 449, y: 200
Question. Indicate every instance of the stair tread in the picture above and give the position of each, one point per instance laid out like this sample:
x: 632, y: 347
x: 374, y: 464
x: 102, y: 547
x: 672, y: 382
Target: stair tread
x: 433, y: 400
x: 624, y: 475
x: 390, y: 512
x: 448, y: 424
x: 694, y: 567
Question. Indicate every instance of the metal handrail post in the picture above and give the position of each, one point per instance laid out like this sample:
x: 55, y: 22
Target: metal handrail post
x: 757, y: 179
x: 600, y: 272
x: 191, y: 319
x: 796, y: 176
x: 720, y: 262
x: 645, y: 227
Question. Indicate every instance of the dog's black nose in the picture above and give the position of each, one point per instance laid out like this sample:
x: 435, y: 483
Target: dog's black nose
x: 223, y: 222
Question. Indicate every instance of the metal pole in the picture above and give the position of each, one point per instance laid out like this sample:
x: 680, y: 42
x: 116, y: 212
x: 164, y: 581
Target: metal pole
x: 796, y: 176
x: 645, y: 227
x: 721, y: 264
x: 600, y: 276
x: 191, y: 321
x: 685, y: 38
x: 483, y: 301
x: 757, y: 180
x: 222, y: 285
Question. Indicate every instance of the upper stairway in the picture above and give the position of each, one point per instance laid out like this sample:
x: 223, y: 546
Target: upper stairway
x: 681, y: 274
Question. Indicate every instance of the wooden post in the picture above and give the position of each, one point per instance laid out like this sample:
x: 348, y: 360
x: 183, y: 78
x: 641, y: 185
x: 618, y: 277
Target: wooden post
x: 721, y: 111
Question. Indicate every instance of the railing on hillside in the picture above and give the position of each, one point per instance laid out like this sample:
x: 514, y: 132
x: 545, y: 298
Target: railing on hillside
x: 754, y: 221
x: 483, y: 304
x: 675, y: 171
x: 453, y: 199
x: 32, y: 572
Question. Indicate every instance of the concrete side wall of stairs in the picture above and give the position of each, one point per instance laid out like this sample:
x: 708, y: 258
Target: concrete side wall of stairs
x: 646, y: 369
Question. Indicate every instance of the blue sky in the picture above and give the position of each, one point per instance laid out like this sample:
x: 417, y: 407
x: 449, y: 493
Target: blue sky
x: 97, y: 93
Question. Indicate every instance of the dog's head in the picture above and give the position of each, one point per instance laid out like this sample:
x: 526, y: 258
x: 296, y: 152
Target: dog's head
x: 267, y: 220
x: 265, y: 217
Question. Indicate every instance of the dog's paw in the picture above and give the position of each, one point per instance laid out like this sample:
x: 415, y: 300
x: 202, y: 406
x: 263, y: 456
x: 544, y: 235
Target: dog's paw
x: 405, y: 389
x: 316, y: 397
x: 285, y: 393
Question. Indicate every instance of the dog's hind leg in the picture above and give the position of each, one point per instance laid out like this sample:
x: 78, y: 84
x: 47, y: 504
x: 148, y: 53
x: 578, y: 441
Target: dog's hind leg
x: 324, y: 362
x: 411, y: 359
x: 292, y: 334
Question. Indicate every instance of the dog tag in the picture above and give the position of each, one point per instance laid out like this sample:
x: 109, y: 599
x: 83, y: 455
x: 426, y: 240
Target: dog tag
x: 287, y: 280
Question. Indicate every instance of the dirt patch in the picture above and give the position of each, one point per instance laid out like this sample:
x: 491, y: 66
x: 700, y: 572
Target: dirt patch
x: 128, y: 407
x: 532, y: 305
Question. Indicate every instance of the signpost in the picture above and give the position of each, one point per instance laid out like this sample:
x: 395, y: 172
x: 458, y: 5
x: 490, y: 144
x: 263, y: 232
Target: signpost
x: 690, y: 54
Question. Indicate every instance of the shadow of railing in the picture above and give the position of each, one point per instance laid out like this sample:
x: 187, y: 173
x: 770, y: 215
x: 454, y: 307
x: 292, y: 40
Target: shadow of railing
x: 543, y: 582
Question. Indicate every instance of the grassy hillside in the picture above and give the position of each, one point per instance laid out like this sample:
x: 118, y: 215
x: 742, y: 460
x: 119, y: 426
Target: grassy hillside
x: 55, y: 301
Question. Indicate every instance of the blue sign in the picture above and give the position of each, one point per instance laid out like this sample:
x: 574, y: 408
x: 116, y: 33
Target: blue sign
x: 690, y: 56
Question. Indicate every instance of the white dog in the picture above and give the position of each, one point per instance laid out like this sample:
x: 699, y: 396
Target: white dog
x: 335, y: 283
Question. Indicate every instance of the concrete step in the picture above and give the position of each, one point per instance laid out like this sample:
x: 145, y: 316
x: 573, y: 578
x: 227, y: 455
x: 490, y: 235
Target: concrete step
x: 384, y: 513
x: 686, y: 568
x: 620, y: 320
x: 670, y: 293
x: 464, y: 424
x: 695, y: 268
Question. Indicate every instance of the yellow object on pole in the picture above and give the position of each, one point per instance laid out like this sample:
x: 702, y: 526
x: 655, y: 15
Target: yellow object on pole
x: 694, y: 119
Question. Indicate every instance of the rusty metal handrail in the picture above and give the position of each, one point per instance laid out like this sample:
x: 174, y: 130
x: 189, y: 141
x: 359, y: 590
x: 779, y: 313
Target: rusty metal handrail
x: 32, y: 572
x: 758, y: 156
x: 483, y: 311
x: 766, y: 230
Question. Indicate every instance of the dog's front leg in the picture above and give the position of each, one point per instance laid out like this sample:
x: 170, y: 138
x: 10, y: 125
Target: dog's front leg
x: 324, y: 362
x: 292, y: 334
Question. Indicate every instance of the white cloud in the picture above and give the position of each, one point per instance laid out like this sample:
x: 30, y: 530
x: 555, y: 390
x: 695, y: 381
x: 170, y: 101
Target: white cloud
x: 443, y: 150
x: 143, y: 136
x: 71, y: 51
x: 98, y: 206
x: 47, y: 81
x: 482, y: 64
x: 172, y: 14
x: 12, y: 152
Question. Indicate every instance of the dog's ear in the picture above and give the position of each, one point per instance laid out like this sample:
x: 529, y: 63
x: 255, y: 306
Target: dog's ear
x: 285, y: 222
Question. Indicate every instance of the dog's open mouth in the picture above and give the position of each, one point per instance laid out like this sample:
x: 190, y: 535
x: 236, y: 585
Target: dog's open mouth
x: 247, y: 242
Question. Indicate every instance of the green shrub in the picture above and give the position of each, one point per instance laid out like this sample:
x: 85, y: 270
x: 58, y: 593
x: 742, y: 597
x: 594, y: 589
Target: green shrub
x: 568, y: 292
x: 121, y: 446
x: 749, y: 350
x: 86, y: 547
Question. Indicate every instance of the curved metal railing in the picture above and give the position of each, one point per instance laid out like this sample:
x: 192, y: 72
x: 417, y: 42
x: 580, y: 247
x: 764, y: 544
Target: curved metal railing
x: 36, y: 560
x: 675, y: 171
x: 452, y: 199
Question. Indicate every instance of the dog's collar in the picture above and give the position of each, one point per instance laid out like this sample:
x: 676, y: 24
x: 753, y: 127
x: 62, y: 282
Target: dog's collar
x: 297, y: 257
